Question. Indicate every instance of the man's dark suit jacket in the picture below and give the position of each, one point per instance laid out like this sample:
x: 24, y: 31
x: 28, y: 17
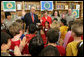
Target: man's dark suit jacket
x: 28, y: 19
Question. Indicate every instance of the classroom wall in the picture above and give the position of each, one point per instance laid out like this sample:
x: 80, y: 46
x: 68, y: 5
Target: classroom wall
x: 38, y: 11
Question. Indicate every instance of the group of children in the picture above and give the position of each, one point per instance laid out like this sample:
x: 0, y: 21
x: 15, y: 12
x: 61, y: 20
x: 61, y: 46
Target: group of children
x: 56, y: 39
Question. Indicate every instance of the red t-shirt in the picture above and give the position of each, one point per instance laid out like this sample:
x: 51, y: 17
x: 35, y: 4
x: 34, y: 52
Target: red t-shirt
x: 44, y: 20
x: 44, y: 38
x: 14, y: 43
x: 28, y: 38
x: 61, y: 50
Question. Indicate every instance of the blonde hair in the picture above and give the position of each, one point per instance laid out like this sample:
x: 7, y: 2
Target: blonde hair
x: 15, y: 28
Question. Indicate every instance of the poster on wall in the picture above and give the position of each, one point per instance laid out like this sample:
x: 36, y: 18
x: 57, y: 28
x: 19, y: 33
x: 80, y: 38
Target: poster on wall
x: 78, y: 7
x: 9, y: 6
x: 66, y: 7
x: 47, y: 5
x: 75, y: 12
x: 19, y: 6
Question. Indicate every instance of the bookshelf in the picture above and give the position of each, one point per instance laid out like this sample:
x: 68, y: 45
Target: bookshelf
x: 38, y: 3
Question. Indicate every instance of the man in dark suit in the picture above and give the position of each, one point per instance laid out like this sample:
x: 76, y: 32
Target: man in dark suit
x: 30, y: 18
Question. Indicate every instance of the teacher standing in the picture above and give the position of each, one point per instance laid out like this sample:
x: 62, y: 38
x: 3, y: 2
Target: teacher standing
x: 31, y: 18
x: 46, y: 18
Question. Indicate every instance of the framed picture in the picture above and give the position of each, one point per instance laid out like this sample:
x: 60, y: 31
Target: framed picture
x: 66, y: 6
x: 19, y: 6
x: 78, y: 7
x: 47, y: 5
x: 75, y: 12
x: 9, y: 5
x: 29, y: 6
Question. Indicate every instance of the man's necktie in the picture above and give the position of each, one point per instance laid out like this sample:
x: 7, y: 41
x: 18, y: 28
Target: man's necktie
x: 32, y: 18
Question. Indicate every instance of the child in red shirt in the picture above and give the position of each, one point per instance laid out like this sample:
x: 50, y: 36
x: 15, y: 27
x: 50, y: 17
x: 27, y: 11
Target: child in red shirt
x: 16, y: 30
x: 52, y: 36
x: 46, y: 27
x: 32, y: 33
x: 28, y: 37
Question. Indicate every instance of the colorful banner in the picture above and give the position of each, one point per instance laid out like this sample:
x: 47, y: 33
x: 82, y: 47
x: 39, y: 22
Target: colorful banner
x: 9, y: 6
x: 75, y: 13
x: 47, y: 5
